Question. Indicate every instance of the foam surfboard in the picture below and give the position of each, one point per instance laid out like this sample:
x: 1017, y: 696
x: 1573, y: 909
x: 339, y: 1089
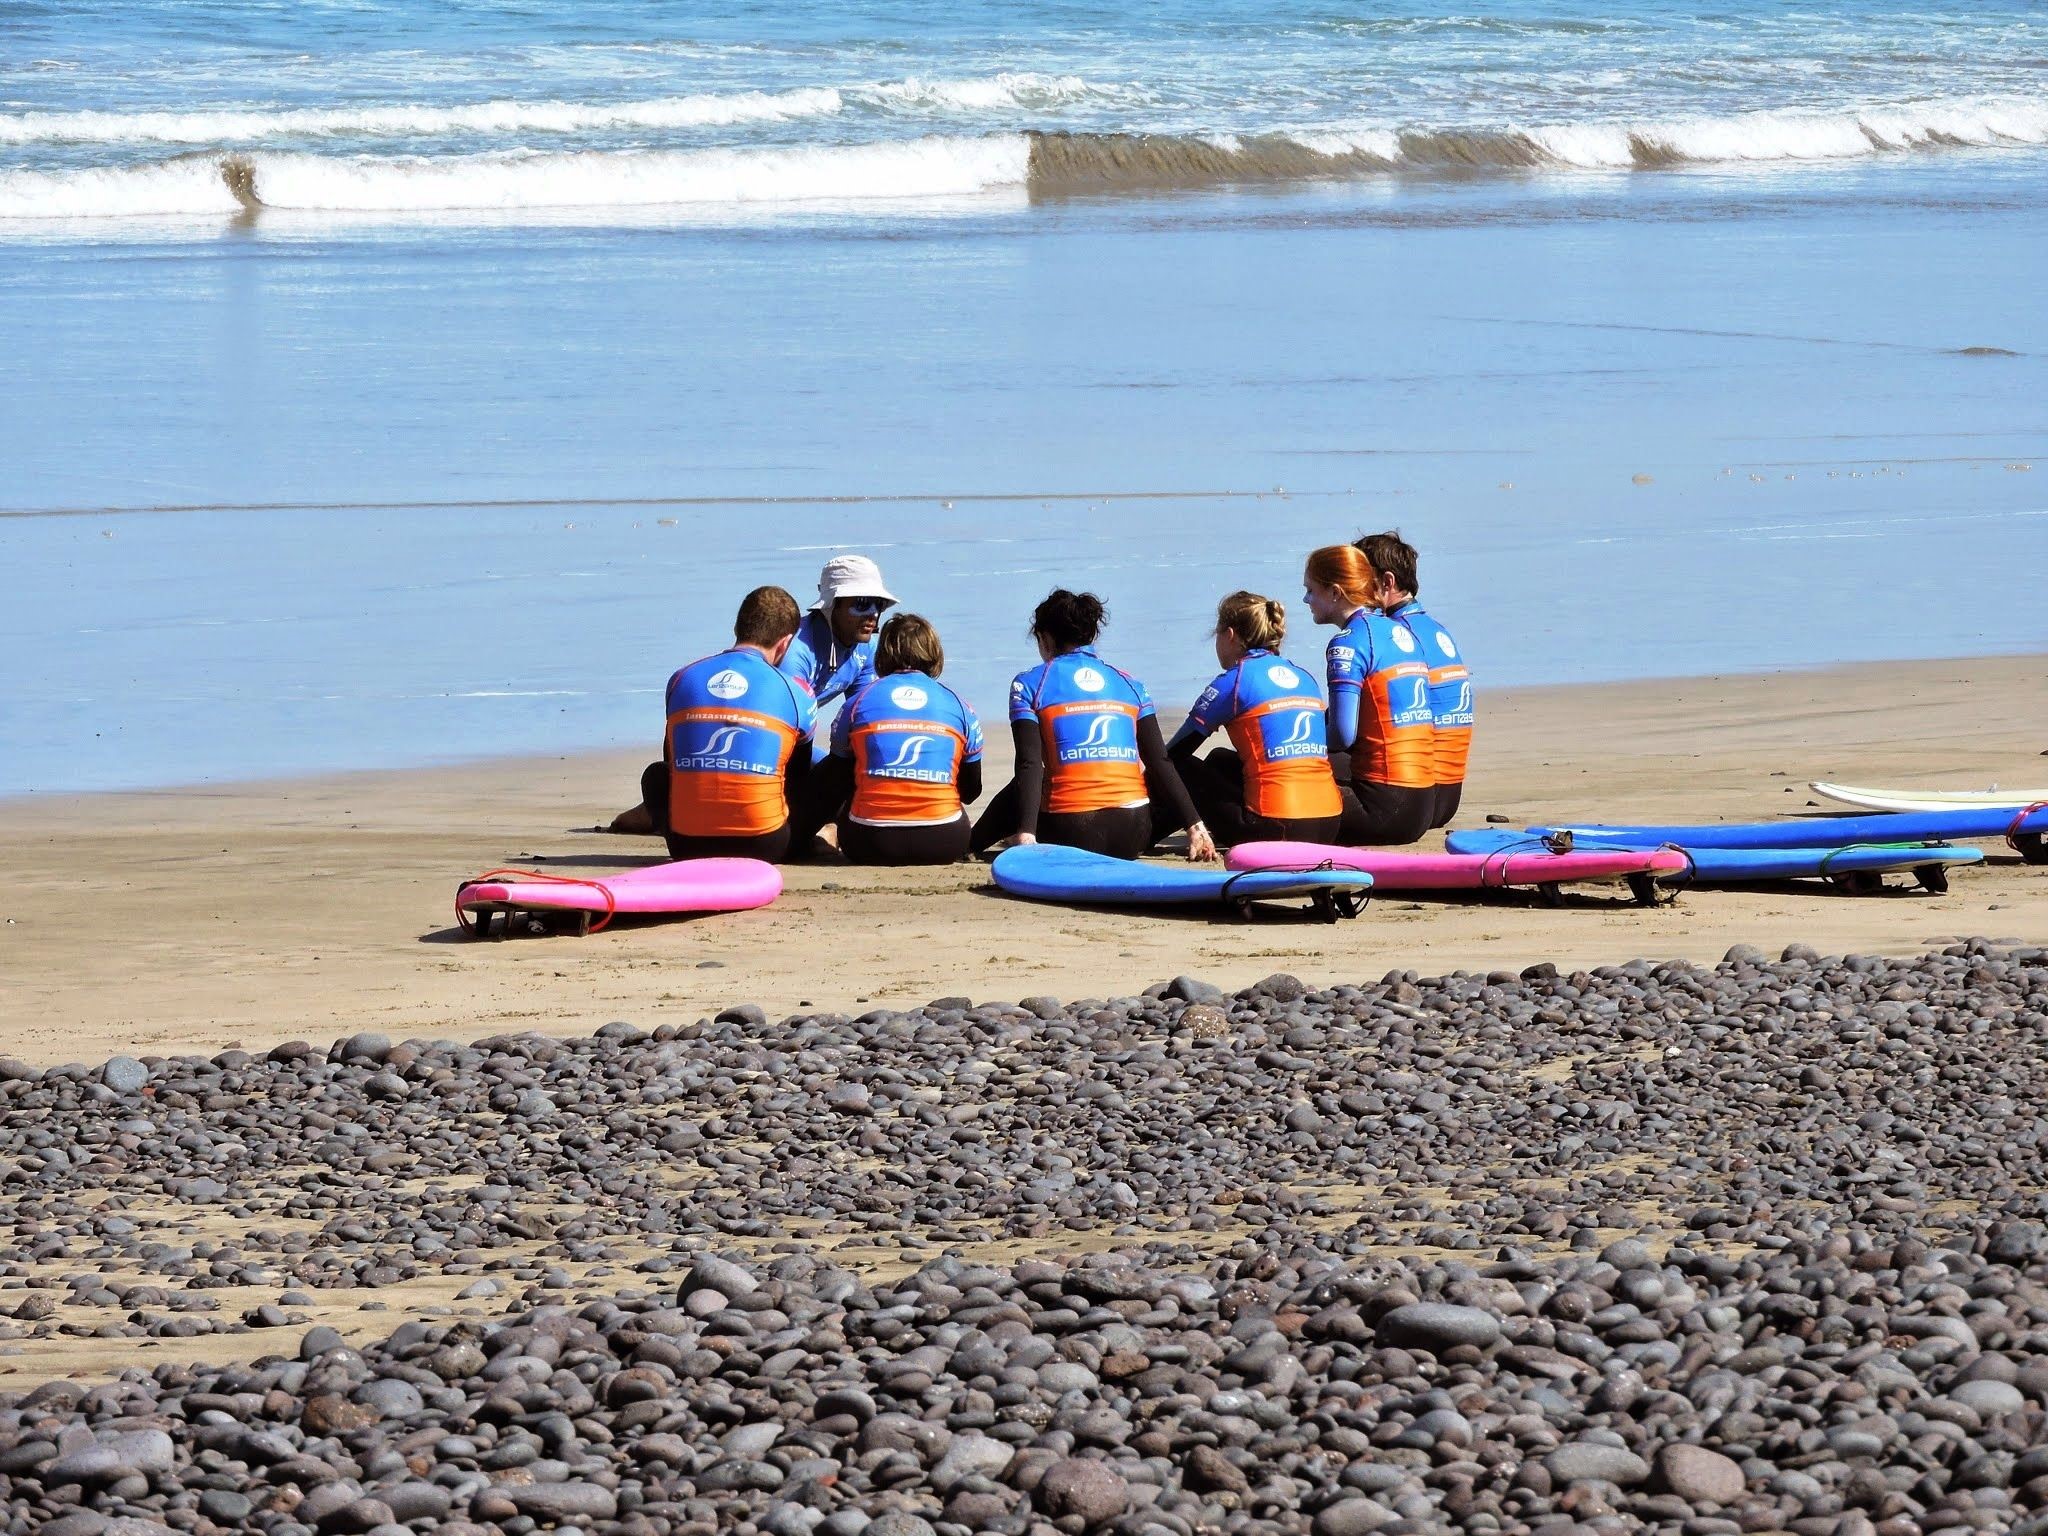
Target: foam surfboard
x: 1046, y: 872
x: 1855, y: 866
x: 1927, y: 799
x: 2024, y: 829
x: 1529, y: 864
x: 685, y: 885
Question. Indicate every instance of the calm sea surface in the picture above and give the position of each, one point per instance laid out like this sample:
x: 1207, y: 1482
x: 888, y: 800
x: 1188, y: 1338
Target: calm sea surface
x: 386, y: 383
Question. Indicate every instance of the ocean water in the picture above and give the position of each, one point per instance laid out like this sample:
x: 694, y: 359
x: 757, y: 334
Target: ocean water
x: 385, y: 384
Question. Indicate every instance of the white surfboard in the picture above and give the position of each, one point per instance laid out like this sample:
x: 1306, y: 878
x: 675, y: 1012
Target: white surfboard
x: 1925, y: 799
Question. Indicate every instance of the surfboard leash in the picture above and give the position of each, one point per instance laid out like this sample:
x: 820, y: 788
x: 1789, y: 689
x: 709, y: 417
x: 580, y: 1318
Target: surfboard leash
x: 543, y: 877
x: 2012, y: 833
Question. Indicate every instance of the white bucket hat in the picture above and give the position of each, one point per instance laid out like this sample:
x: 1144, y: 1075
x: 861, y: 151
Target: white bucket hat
x: 850, y: 576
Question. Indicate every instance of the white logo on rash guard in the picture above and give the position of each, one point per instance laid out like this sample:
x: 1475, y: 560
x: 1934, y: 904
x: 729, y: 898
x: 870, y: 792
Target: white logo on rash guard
x: 1443, y: 641
x: 1304, y: 728
x: 1283, y: 676
x: 722, y: 742
x: 1098, y: 732
x: 726, y: 685
x: 908, y: 751
x: 908, y: 696
x: 1403, y: 640
x: 1088, y: 680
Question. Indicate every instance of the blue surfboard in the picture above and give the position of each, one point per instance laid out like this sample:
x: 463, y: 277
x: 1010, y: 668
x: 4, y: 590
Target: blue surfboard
x: 1046, y: 872
x: 1928, y: 863
x: 1831, y: 831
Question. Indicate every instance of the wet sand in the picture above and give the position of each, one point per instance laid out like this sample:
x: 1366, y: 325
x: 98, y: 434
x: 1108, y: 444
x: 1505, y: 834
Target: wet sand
x: 193, y: 919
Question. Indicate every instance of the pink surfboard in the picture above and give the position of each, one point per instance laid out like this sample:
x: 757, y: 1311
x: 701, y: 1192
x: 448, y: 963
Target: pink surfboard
x: 1400, y: 869
x: 686, y: 885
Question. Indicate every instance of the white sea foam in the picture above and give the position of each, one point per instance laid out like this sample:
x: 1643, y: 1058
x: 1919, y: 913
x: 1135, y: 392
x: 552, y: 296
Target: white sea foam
x: 186, y: 186
x: 915, y: 168
x: 253, y: 125
x: 948, y: 166
x: 1020, y: 90
x: 1793, y: 136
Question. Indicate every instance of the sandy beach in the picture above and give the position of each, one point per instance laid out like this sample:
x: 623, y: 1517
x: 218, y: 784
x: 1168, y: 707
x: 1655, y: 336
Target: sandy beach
x: 1325, y: 1234
x: 195, y: 919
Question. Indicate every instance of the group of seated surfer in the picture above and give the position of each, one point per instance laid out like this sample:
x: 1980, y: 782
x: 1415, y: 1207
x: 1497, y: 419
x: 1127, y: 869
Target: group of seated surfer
x: 1381, y: 764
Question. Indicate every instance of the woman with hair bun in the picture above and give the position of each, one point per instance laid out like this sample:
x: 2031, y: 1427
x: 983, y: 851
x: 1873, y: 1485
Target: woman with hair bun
x: 905, y: 759
x: 1273, y: 781
x: 1090, y: 759
x: 1382, y: 723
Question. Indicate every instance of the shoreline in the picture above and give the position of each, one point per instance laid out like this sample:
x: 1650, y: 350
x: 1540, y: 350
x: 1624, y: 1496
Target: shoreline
x: 1522, y: 696
x: 157, y: 922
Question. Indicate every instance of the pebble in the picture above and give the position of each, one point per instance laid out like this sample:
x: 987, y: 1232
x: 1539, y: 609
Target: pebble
x: 1586, y: 1461
x: 1470, y: 1252
x: 1698, y: 1474
x: 1439, y: 1326
x: 1088, y: 1491
x: 124, y: 1074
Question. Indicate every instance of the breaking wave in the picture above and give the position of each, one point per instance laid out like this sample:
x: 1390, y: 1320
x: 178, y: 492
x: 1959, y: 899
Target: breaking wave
x: 1084, y: 162
x: 996, y: 93
x: 915, y: 168
x: 935, y: 166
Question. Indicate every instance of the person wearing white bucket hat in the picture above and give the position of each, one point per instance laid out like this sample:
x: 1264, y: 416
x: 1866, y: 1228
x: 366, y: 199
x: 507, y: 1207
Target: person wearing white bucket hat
x: 832, y: 652
x: 834, y: 649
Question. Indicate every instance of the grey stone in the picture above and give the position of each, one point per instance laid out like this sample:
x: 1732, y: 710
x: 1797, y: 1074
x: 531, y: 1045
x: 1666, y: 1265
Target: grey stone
x: 1698, y: 1474
x: 970, y: 1455
x: 124, y: 1074
x: 1584, y: 1460
x: 1089, y: 1491
x: 710, y: 1272
x: 557, y: 1502
x: 1354, y: 1516
x: 1437, y: 1325
x: 1989, y: 1399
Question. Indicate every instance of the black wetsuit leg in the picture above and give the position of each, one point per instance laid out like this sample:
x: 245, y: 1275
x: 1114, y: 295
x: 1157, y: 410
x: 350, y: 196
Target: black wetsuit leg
x: 1385, y: 816
x: 945, y: 843
x: 826, y: 791
x: 1216, y: 784
x: 654, y: 792
x: 998, y: 820
x: 771, y: 846
x: 1448, y: 797
x: 1121, y: 831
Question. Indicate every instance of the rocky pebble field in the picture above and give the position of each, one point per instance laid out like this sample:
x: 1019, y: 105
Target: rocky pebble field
x: 1653, y: 1247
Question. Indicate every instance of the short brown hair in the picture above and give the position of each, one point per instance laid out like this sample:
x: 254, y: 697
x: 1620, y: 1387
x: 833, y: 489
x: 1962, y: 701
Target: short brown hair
x: 908, y: 643
x: 767, y: 616
x: 1391, y: 555
x: 1260, y: 622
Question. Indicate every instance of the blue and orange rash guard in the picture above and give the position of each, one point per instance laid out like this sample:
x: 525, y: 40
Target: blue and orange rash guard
x: 1274, y: 718
x: 1380, y: 704
x: 908, y: 735
x: 733, y: 722
x: 1450, y: 692
x: 816, y: 660
x: 1087, y: 713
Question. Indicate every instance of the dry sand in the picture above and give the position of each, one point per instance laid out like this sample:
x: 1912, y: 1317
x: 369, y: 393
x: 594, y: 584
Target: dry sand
x: 193, y: 919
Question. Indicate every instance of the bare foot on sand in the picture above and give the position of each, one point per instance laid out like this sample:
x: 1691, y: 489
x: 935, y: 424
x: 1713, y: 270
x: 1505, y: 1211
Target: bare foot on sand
x: 638, y: 822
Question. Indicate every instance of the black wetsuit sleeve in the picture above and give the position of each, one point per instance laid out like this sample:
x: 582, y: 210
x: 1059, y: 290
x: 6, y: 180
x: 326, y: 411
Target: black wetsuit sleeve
x: 796, y: 775
x: 970, y: 782
x: 1162, y: 780
x: 1030, y: 775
